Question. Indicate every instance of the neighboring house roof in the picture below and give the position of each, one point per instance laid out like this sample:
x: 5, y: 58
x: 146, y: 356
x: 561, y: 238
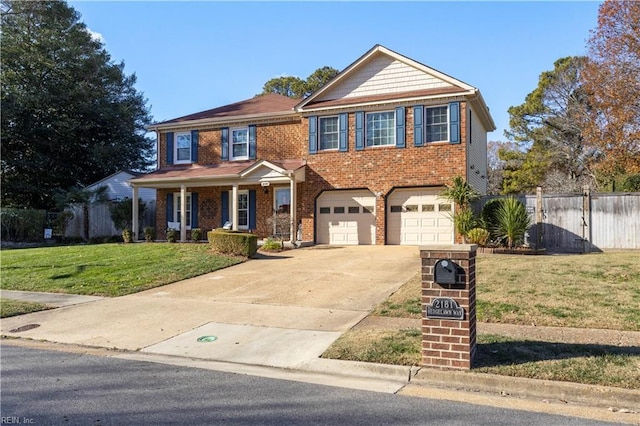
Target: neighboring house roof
x: 118, y: 187
x: 381, y: 75
x: 259, y: 106
x: 217, y: 171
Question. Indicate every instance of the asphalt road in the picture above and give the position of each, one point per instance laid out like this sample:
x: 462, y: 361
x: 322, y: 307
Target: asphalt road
x: 59, y: 388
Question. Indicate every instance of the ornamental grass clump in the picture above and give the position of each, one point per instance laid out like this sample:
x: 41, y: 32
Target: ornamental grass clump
x: 479, y: 236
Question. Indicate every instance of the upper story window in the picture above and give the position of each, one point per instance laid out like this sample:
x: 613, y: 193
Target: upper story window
x: 437, y: 124
x: 380, y: 128
x: 329, y: 131
x: 240, y: 143
x: 182, y: 148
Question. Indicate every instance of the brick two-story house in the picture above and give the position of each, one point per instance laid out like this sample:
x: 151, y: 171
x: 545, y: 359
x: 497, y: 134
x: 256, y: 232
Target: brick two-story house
x: 361, y: 161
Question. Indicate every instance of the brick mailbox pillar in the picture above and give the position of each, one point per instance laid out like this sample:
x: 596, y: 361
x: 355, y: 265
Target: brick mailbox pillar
x: 449, y: 305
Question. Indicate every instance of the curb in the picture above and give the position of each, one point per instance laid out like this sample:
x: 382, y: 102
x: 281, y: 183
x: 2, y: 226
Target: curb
x: 365, y: 370
x: 592, y: 395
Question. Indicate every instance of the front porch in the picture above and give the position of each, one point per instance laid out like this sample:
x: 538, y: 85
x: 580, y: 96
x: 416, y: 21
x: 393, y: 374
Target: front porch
x: 235, y: 195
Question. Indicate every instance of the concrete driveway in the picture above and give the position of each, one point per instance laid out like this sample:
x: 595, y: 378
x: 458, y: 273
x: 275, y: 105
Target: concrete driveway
x: 278, y: 310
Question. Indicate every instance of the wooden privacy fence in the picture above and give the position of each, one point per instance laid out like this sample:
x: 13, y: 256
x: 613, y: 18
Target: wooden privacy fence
x: 580, y: 223
x: 100, y: 223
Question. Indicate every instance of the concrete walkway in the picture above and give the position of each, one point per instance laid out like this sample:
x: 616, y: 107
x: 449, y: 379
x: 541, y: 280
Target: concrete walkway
x: 55, y: 300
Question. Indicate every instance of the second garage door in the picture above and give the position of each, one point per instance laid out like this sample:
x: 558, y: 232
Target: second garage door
x: 346, y: 217
x: 419, y: 216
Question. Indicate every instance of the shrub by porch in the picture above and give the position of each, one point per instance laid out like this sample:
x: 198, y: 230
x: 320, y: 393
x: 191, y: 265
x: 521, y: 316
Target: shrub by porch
x: 233, y: 242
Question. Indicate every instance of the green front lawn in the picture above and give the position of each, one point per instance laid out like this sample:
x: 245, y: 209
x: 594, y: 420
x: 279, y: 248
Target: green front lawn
x: 107, y: 269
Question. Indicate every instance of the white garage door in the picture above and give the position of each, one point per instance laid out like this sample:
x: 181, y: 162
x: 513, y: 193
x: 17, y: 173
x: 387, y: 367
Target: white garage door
x: 419, y: 216
x: 346, y: 217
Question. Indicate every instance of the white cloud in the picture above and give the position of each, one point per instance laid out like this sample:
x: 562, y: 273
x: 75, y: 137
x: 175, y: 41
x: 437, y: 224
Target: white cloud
x: 95, y: 35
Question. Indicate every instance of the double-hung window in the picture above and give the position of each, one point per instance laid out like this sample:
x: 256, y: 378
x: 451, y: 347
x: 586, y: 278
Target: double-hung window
x: 240, y: 143
x: 381, y: 128
x: 177, y: 208
x: 437, y: 125
x: 182, y: 148
x: 329, y: 130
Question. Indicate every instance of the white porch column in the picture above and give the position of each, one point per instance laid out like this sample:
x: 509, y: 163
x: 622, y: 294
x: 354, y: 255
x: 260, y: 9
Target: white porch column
x: 234, y: 207
x: 134, y: 214
x: 183, y: 213
x: 293, y: 225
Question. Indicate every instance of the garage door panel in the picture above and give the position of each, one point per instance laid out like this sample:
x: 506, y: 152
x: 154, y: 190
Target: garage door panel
x: 345, y: 217
x: 414, y: 216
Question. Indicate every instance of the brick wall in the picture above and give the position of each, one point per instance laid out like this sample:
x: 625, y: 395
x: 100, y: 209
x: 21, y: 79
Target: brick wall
x: 449, y: 343
x: 274, y: 141
x: 380, y: 169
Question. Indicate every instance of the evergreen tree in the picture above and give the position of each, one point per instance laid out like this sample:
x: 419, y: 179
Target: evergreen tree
x: 70, y: 115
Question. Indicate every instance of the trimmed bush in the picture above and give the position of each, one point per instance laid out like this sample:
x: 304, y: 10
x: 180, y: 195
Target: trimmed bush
x: 233, y: 243
x: 149, y: 234
x: 271, y: 244
x: 172, y: 235
x: 489, y: 216
x: 127, y: 235
x: 196, y: 234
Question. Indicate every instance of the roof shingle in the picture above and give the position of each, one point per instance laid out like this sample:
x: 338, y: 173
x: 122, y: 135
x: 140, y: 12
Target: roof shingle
x: 263, y: 104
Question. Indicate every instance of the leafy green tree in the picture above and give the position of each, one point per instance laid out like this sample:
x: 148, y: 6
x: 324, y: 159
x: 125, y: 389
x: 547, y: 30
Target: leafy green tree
x: 550, y: 125
x: 319, y: 78
x: 70, y: 116
x: 523, y: 171
x: 295, y: 87
x: 292, y: 87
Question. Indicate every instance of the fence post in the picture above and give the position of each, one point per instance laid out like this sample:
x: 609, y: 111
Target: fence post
x: 539, y: 217
x: 586, y: 219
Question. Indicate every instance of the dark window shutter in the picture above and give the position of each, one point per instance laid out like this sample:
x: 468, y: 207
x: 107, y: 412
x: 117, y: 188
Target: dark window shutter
x: 359, y: 131
x: 194, y: 210
x: 454, y: 122
x: 224, y: 143
x: 170, y: 148
x: 344, y: 132
x: 194, y: 146
x: 252, y: 142
x: 313, y: 134
x: 224, y: 207
x: 170, y: 207
x: 252, y: 209
x: 400, y: 134
x: 418, y: 129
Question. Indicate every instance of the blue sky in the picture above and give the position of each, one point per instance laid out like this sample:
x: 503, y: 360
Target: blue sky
x: 192, y: 56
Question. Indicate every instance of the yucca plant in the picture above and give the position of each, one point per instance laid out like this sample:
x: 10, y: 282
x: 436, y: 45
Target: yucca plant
x: 512, y: 220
